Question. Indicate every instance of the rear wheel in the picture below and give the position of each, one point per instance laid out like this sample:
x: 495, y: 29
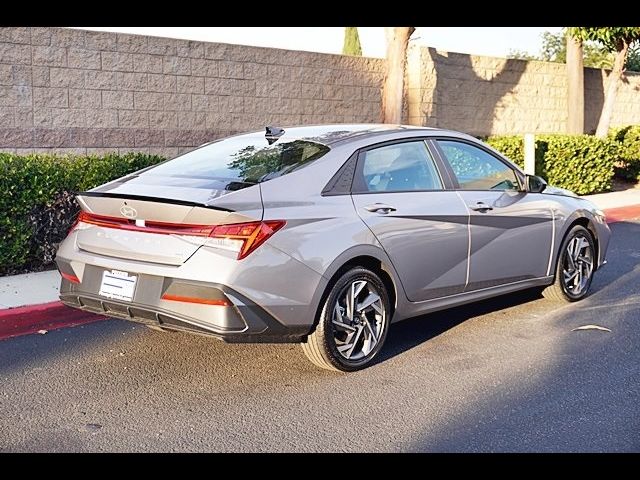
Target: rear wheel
x: 575, y: 267
x: 353, y: 323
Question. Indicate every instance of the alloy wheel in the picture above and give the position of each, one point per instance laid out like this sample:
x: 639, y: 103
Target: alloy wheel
x: 578, y: 265
x: 358, y: 320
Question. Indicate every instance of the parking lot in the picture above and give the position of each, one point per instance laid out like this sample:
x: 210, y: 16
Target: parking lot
x: 508, y: 374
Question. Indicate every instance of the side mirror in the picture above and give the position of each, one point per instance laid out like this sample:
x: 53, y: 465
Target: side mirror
x: 534, y: 184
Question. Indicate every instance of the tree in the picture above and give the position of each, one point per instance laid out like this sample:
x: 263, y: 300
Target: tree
x: 554, y: 49
x: 616, y: 40
x: 633, y: 58
x: 521, y: 55
x: 575, y: 85
x: 351, y: 42
x: 393, y: 88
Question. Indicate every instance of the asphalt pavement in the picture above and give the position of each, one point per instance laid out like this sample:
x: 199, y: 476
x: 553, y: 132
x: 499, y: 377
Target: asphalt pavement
x: 508, y: 374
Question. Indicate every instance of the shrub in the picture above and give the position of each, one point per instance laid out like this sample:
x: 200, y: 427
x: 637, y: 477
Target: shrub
x: 37, y: 207
x: 628, y: 141
x: 580, y: 163
x: 512, y: 146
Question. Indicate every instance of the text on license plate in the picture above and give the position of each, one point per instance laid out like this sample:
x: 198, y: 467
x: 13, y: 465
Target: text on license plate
x: 118, y: 285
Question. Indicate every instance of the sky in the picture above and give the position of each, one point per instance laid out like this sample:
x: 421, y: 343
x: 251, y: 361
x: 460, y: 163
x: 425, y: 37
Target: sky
x: 492, y: 41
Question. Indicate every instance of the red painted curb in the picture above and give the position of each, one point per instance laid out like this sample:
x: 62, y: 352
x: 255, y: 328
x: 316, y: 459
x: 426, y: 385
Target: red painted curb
x: 45, y: 316
x: 620, y: 214
x: 50, y: 316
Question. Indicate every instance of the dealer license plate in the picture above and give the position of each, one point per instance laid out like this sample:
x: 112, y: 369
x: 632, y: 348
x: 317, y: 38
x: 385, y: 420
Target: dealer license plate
x: 118, y: 285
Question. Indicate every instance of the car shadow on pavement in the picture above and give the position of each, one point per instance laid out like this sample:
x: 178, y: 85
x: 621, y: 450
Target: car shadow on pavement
x: 410, y: 333
x: 94, y: 340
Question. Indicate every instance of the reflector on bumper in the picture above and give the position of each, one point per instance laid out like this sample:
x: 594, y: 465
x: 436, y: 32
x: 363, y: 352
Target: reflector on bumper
x: 178, y: 291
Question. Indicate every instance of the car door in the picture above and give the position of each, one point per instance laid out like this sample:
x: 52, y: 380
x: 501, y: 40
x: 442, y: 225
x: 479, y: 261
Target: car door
x: 399, y: 192
x: 511, y: 230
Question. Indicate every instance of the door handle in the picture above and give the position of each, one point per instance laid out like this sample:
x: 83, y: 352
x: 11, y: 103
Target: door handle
x: 480, y: 207
x: 380, y: 208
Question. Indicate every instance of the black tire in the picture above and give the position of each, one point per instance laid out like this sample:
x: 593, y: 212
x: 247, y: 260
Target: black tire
x: 322, y: 345
x: 559, y: 290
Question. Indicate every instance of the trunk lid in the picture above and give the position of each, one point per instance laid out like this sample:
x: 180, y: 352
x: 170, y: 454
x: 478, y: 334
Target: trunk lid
x: 148, y: 201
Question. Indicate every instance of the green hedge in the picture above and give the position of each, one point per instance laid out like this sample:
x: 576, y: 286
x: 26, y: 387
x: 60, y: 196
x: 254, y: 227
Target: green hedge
x: 583, y: 164
x: 37, y: 207
x: 628, y: 141
x: 512, y: 146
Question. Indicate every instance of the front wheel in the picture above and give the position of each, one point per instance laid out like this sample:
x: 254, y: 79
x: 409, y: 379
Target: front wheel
x: 353, y: 323
x: 575, y: 267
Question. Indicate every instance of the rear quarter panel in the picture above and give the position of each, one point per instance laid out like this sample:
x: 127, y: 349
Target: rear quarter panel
x: 322, y: 232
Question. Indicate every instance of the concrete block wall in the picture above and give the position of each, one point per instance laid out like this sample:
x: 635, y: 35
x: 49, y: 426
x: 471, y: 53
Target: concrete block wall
x: 76, y: 91
x: 487, y: 95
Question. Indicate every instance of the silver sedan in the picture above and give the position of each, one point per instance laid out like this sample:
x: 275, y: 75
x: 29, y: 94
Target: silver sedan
x: 324, y: 235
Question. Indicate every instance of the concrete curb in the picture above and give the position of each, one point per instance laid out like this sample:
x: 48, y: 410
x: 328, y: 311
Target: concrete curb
x: 50, y: 316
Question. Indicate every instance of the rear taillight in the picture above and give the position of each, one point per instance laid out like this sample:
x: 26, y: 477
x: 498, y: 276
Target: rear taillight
x: 150, y: 226
x: 242, y: 238
x: 76, y: 224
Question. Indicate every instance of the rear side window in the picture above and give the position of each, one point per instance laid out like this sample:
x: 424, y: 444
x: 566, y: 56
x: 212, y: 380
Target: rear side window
x: 242, y: 160
x: 400, y: 167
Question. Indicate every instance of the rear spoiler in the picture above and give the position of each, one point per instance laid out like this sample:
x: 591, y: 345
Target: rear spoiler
x: 172, y: 201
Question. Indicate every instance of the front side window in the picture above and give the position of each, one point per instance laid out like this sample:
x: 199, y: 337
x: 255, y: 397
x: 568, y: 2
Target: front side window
x: 398, y: 168
x: 476, y: 169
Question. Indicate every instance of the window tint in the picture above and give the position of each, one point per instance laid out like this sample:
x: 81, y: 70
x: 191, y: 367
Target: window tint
x: 400, y: 167
x: 476, y: 169
x: 242, y: 159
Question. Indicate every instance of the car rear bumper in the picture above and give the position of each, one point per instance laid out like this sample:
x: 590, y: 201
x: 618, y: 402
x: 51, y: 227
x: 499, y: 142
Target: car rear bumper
x: 240, y: 321
x: 259, y: 302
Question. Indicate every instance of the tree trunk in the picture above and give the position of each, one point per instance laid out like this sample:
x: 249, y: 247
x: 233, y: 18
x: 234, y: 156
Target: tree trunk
x: 575, y: 86
x: 393, y: 89
x: 612, y: 90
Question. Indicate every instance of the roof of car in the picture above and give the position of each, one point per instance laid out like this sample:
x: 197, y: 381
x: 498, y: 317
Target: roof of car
x: 330, y: 134
x: 333, y: 133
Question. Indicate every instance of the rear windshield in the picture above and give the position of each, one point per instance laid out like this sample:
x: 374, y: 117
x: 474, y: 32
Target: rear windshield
x: 243, y: 160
